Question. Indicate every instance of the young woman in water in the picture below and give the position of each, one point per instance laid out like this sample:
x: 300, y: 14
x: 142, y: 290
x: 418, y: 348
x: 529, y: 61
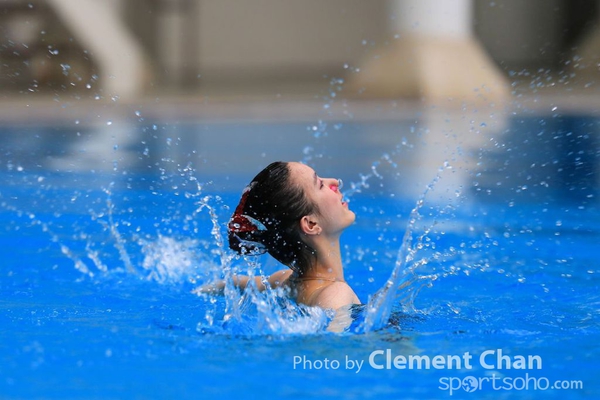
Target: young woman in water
x: 297, y: 217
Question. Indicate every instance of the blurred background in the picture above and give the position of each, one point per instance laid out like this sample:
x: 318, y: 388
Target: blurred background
x: 133, y: 49
x: 440, y: 79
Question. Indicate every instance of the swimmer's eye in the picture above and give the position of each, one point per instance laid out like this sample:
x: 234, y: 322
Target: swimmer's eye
x: 321, y: 184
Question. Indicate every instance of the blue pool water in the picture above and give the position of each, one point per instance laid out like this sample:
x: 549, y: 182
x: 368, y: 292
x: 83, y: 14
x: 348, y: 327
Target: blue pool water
x: 107, y: 230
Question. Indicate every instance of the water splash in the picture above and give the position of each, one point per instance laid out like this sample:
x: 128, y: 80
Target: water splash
x: 252, y: 312
x: 169, y: 260
x: 320, y: 130
x: 380, y: 305
x: 270, y: 312
x: 78, y: 263
x: 406, y: 279
x: 385, y: 159
x: 112, y: 226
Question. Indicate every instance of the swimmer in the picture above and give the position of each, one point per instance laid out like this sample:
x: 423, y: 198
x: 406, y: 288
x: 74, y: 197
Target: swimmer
x: 297, y: 217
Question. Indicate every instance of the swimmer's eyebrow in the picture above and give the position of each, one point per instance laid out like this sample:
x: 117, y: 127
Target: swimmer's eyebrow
x: 315, y: 179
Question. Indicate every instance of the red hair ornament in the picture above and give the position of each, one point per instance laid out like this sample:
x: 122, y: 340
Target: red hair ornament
x: 242, y: 223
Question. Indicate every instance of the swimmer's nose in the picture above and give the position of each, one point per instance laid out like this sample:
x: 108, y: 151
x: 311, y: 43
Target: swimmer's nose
x: 337, y: 185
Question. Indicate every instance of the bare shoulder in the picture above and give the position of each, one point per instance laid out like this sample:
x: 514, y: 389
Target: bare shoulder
x: 336, y: 295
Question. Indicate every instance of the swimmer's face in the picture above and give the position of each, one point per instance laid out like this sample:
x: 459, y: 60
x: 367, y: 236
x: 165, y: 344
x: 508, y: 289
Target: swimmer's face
x: 333, y: 212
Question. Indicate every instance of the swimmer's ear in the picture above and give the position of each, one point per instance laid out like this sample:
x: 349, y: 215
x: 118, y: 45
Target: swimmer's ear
x: 309, y: 225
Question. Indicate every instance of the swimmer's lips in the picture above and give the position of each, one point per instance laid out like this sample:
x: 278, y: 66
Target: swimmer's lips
x: 344, y: 202
x: 337, y: 189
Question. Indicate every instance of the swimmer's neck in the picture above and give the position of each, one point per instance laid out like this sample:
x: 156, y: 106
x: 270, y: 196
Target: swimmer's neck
x: 328, y: 264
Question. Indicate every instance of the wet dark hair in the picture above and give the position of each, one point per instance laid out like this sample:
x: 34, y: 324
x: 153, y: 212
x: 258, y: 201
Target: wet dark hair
x: 267, y: 218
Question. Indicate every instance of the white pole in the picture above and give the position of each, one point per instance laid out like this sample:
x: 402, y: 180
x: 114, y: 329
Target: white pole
x: 448, y: 18
x: 98, y: 27
x: 433, y: 56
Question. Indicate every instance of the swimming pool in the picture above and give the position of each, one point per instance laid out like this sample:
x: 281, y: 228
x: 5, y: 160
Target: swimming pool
x: 108, y: 228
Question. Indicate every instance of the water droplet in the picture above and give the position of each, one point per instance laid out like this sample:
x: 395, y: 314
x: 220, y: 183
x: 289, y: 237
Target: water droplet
x: 65, y: 68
